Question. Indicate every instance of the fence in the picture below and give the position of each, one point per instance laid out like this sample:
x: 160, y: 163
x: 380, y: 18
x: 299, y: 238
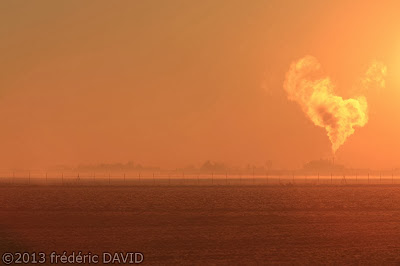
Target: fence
x: 192, y: 179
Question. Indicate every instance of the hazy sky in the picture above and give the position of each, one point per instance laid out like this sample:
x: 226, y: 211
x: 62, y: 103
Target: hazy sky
x: 174, y: 83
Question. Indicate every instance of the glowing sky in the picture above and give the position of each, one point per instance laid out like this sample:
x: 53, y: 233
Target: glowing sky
x: 173, y: 83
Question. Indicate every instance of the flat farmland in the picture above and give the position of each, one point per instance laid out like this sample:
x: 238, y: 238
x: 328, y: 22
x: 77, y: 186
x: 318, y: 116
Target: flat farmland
x: 207, y: 224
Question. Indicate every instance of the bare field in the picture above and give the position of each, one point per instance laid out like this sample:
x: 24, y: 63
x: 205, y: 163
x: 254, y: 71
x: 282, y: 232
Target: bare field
x: 211, y: 224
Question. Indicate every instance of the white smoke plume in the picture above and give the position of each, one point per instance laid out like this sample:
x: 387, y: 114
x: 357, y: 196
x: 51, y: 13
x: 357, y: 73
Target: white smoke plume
x: 375, y: 76
x: 319, y: 102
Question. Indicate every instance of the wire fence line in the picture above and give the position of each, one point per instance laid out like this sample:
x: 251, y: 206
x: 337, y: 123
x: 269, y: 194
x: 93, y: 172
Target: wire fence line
x: 69, y: 178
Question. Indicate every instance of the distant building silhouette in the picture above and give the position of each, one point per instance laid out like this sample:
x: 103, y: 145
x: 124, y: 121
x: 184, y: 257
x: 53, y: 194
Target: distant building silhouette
x: 323, y: 166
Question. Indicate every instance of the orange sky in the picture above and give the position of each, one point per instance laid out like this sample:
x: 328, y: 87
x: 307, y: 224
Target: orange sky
x: 175, y: 83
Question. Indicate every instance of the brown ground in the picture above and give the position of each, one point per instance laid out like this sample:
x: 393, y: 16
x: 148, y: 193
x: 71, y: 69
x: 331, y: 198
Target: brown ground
x: 207, y: 225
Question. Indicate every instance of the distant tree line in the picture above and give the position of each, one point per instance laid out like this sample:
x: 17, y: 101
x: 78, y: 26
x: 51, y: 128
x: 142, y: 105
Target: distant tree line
x: 129, y: 166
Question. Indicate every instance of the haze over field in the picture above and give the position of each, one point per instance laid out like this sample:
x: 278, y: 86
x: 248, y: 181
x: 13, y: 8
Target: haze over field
x: 177, y: 83
x: 200, y: 132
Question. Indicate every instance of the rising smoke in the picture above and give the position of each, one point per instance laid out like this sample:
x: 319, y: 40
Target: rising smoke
x: 319, y: 102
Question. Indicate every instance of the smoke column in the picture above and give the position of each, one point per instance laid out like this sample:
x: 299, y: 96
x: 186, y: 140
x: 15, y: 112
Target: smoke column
x: 319, y: 102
